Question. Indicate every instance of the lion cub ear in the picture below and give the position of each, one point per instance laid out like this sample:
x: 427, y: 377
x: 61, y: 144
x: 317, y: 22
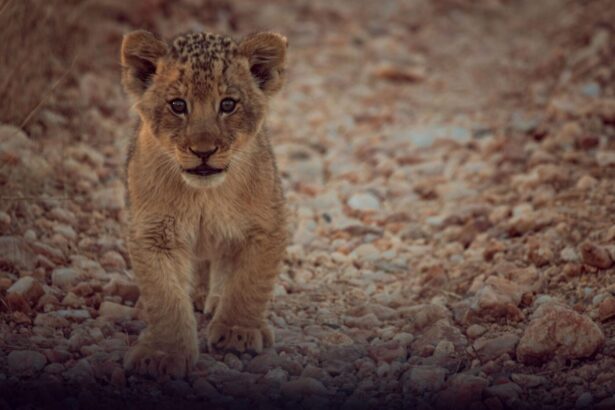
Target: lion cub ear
x: 266, y: 53
x: 139, y: 56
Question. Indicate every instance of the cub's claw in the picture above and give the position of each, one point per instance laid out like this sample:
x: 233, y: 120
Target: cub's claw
x: 221, y: 336
x: 146, y: 360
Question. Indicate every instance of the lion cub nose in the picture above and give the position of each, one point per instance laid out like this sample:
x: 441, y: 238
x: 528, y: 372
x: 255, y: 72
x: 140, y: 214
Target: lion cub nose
x: 203, y: 155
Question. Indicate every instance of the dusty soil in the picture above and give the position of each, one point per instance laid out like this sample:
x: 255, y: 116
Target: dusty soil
x: 449, y: 167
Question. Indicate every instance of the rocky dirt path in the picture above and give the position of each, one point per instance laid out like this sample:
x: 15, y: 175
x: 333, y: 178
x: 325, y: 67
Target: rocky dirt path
x: 449, y: 169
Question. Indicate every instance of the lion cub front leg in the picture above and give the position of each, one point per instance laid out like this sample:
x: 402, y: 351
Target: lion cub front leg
x: 239, y: 322
x: 162, y: 266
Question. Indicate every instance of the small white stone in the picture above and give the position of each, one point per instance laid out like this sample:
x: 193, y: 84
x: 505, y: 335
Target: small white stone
x: 364, y: 202
x: 115, y: 311
x: 64, y: 277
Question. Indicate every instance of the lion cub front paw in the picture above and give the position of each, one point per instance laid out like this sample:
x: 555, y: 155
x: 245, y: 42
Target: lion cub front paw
x: 147, y: 360
x: 222, y: 336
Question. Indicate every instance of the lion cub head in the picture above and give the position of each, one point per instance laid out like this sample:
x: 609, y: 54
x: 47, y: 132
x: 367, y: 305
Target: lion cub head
x: 203, y: 96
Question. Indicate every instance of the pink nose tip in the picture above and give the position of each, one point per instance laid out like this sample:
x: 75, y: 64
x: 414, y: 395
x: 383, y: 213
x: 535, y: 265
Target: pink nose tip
x: 204, y: 155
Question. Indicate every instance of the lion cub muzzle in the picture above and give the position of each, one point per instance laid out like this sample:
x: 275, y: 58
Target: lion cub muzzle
x: 204, y: 169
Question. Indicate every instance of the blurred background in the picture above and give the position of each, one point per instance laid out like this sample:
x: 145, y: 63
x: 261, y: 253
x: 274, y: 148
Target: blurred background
x: 448, y: 164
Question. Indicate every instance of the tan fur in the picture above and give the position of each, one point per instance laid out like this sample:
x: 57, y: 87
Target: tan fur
x: 221, y: 235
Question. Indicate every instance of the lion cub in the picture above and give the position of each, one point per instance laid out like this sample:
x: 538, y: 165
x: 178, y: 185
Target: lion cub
x: 207, y: 209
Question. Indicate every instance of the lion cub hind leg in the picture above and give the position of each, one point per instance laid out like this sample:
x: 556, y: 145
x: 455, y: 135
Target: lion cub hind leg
x: 240, y: 323
x: 200, y: 290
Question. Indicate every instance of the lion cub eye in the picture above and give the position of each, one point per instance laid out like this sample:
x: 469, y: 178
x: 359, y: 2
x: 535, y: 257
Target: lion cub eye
x: 179, y: 106
x: 227, y: 105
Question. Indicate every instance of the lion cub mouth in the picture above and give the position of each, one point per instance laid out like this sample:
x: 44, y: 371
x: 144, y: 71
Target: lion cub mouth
x: 204, y: 170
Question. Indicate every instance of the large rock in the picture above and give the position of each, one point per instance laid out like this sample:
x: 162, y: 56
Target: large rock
x: 558, y: 331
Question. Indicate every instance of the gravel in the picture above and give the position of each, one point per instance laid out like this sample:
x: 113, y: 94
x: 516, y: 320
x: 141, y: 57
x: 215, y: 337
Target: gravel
x: 451, y: 215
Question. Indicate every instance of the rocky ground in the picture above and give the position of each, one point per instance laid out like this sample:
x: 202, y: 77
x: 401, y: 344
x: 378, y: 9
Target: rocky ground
x: 449, y: 167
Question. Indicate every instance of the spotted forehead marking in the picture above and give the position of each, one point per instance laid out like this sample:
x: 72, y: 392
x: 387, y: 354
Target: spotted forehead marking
x: 203, y: 51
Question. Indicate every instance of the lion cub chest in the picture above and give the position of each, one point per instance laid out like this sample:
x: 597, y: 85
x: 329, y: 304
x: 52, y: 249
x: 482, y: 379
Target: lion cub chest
x: 220, y: 226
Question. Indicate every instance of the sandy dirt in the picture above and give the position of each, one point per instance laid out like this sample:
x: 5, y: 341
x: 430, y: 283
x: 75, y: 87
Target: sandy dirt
x: 449, y: 170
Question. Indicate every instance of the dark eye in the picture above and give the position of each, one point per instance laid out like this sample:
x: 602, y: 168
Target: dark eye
x: 227, y: 105
x: 179, y: 106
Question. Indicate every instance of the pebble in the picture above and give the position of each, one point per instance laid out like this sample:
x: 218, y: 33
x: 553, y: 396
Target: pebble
x: 421, y: 316
x: 300, y: 162
x: 605, y: 158
x: 528, y: 380
x: 116, y: 312
x: 404, y: 339
x: 364, y: 202
x: 606, y: 404
x: 462, y: 389
x: 80, y: 373
x: 66, y: 231
x: 64, y: 277
x: 16, y: 251
x: 569, y: 254
x: 584, y: 401
x: 302, y: 387
x: 204, y: 388
x: 558, y: 331
x: 270, y: 360
x: 387, y: 351
x: 498, y: 297
x: 233, y: 361
x: 78, y: 315
x: 5, y: 221
x: 507, y: 392
x: 111, y: 198
x: 492, y: 348
x: 112, y: 260
x: 29, y: 288
x: 128, y: 291
x: 368, y: 321
x: 118, y: 378
x: 178, y: 388
x: 595, y: 255
x: 63, y: 215
x: 426, y: 342
x: 72, y: 300
x: 421, y: 379
x: 606, y: 309
x: 474, y: 331
x: 25, y: 362
x: 586, y: 183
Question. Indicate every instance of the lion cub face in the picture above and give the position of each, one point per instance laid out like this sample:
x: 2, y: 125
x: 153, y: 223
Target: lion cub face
x: 204, y: 96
